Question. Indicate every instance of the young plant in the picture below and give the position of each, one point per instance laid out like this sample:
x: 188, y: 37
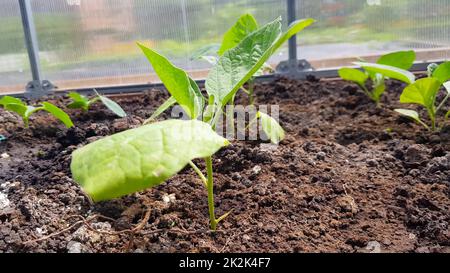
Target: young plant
x: 82, y: 102
x: 424, y: 92
x: 25, y: 111
x: 144, y: 157
x: 245, y: 25
x: 393, y: 65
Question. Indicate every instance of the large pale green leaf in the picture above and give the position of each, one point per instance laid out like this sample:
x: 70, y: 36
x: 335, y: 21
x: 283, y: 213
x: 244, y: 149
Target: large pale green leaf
x: 442, y: 72
x: 271, y: 127
x: 237, y: 65
x: 354, y: 75
x: 139, y: 158
x: 388, y: 71
x: 400, y: 59
x: 177, y: 82
x: 422, y: 92
x: 243, y: 27
x: 57, y: 113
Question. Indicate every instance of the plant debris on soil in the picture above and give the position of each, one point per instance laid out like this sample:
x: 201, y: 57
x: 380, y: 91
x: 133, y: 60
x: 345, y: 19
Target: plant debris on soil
x: 349, y: 177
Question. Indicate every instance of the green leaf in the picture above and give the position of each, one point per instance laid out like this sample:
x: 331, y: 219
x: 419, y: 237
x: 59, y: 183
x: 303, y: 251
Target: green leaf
x: 447, y: 115
x: 237, y: 65
x: 163, y: 107
x: 353, y: 75
x: 442, y: 72
x: 422, y: 92
x: 14, y: 105
x: 8, y: 99
x: 139, y: 158
x: 79, y: 101
x: 379, y: 88
x: 400, y: 59
x: 56, y: 112
x: 20, y: 109
x: 388, y: 71
x: 409, y: 113
x: 243, y: 27
x: 271, y: 127
x: 177, y: 82
x: 113, y: 106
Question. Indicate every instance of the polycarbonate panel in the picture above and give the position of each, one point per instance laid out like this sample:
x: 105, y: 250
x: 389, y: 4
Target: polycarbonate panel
x: 14, y: 65
x: 92, y: 43
x: 365, y: 28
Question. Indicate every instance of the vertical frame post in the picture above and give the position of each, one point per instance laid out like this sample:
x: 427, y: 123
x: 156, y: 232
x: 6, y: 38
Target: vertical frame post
x: 291, y: 9
x: 37, y: 87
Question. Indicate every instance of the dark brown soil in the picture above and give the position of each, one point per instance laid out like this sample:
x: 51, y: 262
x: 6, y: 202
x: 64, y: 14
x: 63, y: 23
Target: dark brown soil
x: 349, y: 177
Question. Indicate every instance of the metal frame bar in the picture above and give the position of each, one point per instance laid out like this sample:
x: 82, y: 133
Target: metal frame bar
x: 136, y: 88
x: 37, y: 87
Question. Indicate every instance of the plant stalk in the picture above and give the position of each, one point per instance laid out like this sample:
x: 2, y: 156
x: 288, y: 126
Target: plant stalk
x: 210, y: 187
x: 251, y: 87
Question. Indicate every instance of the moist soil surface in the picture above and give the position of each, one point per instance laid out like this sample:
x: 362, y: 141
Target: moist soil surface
x: 348, y: 177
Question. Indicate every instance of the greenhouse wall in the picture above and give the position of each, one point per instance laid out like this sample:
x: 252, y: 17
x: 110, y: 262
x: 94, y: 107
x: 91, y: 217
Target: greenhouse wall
x: 92, y: 43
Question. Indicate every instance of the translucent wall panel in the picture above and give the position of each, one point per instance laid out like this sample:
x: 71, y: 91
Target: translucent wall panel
x: 92, y: 43
x: 352, y: 28
x: 14, y: 66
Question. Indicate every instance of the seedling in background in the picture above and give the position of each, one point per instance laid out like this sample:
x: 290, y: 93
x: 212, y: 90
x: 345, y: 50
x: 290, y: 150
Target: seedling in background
x: 82, y: 102
x: 25, y: 111
x: 424, y: 92
x: 147, y: 156
x: 393, y: 65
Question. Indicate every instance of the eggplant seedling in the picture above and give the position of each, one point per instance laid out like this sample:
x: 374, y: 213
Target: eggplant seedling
x: 424, y: 92
x: 82, y: 102
x: 25, y: 111
x: 393, y: 65
x: 147, y: 156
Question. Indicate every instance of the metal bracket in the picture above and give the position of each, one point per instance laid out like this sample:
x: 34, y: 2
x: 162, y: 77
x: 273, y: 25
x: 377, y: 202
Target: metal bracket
x: 291, y: 67
x: 35, y: 89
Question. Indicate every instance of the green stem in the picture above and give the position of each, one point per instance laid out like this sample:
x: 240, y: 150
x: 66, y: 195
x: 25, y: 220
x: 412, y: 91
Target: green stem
x: 442, y: 103
x: 251, y: 87
x: 199, y: 173
x: 210, y: 186
x: 230, y: 116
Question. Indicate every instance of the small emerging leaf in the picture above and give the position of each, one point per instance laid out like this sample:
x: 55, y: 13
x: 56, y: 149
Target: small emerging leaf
x: 271, y: 127
x: 442, y: 72
x: 79, y: 101
x: 447, y: 87
x: 177, y: 82
x: 139, y: 158
x: 354, y: 75
x: 389, y: 71
x: 243, y: 27
x: 422, y: 92
x: 113, y: 106
x: 57, y: 113
x: 409, y: 113
x: 400, y: 59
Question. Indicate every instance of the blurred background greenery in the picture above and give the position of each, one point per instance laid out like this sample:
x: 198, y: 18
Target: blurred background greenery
x: 78, y: 41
